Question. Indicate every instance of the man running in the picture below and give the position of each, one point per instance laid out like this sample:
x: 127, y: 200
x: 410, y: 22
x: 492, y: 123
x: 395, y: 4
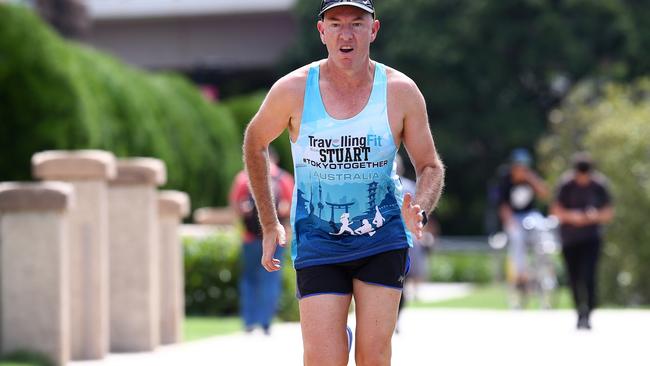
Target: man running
x: 346, y: 115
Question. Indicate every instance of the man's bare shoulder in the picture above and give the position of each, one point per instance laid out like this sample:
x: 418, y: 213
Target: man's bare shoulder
x: 403, y: 89
x: 292, y: 85
x: 400, y: 84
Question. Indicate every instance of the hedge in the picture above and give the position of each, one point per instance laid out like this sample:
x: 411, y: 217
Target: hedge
x: 57, y: 94
x: 243, y: 109
x: 213, y: 271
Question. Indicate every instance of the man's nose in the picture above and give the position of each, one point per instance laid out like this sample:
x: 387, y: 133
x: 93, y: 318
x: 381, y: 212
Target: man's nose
x: 346, y: 32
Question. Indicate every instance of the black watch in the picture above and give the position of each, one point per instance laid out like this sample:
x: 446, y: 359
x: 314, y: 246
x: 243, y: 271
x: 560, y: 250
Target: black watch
x: 425, y: 218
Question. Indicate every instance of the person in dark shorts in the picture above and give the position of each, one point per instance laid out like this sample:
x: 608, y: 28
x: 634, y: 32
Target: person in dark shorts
x: 347, y: 116
x: 583, y: 205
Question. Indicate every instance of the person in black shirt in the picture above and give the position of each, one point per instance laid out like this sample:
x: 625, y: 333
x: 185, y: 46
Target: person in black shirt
x: 519, y: 189
x: 583, y: 205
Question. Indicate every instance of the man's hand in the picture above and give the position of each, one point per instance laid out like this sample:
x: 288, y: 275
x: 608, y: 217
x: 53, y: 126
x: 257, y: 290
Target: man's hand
x: 578, y: 218
x: 272, y: 236
x: 412, y: 216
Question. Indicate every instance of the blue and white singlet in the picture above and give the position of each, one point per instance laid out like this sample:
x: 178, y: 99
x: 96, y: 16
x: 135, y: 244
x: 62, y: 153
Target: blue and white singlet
x: 347, y: 199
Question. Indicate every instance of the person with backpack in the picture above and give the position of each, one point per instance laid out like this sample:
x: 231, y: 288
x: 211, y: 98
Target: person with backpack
x: 259, y: 290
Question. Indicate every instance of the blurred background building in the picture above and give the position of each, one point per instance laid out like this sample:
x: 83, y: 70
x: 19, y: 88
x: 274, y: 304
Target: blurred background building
x: 214, y: 42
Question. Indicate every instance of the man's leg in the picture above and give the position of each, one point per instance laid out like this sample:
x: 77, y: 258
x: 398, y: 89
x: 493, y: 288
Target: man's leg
x: 518, y: 257
x: 376, y: 313
x: 591, y: 256
x: 323, y: 320
x: 571, y: 256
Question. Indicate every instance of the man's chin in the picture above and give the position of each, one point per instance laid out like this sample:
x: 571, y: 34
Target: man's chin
x: 346, y: 61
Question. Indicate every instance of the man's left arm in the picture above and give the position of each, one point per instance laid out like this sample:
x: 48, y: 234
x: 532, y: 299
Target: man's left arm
x: 605, y: 213
x: 429, y: 168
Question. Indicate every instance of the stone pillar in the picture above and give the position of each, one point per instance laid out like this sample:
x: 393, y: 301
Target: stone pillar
x: 215, y: 216
x: 134, y: 244
x: 88, y: 172
x: 34, y: 284
x: 172, y: 206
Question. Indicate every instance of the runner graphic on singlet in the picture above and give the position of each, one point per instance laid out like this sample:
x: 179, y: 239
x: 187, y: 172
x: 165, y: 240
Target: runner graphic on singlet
x: 345, y: 224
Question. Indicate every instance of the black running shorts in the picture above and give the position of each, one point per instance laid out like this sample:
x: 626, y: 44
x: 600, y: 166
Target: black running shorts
x: 387, y: 269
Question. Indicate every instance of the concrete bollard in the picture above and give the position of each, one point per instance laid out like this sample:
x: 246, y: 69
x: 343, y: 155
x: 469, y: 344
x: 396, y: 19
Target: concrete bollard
x: 34, y: 263
x: 173, y: 206
x: 133, y: 242
x: 88, y: 172
x: 215, y: 216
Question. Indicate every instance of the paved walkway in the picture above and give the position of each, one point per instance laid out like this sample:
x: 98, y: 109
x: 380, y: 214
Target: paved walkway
x: 440, y: 337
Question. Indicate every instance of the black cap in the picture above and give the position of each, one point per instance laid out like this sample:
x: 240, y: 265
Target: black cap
x: 582, y: 162
x: 326, y: 5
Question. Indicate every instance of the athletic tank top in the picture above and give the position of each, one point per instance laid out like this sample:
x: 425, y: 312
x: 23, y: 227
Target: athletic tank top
x: 347, y: 198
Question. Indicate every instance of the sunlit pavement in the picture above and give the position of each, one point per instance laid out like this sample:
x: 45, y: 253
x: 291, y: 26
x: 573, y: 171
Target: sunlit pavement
x: 440, y: 337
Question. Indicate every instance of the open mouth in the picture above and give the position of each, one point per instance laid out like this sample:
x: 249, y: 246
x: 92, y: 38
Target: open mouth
x: 346, y: 49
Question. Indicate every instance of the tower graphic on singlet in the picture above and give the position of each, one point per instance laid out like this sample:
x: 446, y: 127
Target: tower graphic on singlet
x: 320, y: 200
x: 372, y: 192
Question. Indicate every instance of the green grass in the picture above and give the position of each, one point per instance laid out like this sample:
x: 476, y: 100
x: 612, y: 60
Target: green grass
x: 25, y: 358
x: 205, y: 327
x: 492, y: 297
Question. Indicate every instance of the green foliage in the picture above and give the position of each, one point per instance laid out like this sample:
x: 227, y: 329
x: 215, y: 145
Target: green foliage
x: 289, y: 310
x: 25, y: 358
x: 462, y: 267
x: 212, y: 270
x: 196, y: 327
x: 56, y: 94
x: 494, y: 297
x: 490, y: 72
x: 611, y: 121
x: 243, y: 109
x: 212, y: 275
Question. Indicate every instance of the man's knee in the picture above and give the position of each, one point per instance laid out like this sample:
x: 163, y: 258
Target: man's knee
x: 317, y: 356
x: 373, y: 349
x: 373, y: 355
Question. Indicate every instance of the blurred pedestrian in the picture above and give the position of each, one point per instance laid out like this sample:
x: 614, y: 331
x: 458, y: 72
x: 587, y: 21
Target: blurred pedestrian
x: 583, y: 205
x: 259, y: 290
x: 519, y: 189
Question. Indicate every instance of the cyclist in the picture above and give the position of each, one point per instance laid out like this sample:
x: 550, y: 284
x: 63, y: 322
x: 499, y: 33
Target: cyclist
x: 519, y: 189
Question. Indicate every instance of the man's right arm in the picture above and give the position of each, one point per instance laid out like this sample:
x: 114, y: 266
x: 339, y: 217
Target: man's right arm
x: 274, y: 116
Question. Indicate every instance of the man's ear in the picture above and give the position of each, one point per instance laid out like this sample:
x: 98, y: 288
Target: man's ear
x: 375, y: 29
x: 321, y: 30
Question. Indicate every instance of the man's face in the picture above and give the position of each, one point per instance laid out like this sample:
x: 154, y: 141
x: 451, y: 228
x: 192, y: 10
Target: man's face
x: 347, y: 32
x: 519, y: 172
x: 582, y: 178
